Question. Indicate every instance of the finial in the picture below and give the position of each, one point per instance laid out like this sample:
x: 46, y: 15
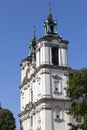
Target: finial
x: 49, y: 8
x: 34, y: 30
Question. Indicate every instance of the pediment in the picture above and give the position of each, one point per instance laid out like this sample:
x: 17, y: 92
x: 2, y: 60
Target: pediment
x: 57, y: 77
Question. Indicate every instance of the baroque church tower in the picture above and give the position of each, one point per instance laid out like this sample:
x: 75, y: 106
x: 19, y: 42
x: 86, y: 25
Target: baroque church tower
x: 44, y: 75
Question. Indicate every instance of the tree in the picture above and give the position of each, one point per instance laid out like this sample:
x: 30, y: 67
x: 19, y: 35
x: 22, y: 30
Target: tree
x: 77, y: 92
x: 7, y: 121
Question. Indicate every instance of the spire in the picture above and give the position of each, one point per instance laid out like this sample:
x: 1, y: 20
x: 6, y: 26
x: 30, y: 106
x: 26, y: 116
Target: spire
x: 49, y: 8
x: 49, y: 11
x: 34, y: 36
x: 33, y: 45
x: 33, y: 41
x: 50, y: 23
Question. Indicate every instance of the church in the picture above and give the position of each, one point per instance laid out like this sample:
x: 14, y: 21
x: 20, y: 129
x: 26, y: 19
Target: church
x: 44, y: 76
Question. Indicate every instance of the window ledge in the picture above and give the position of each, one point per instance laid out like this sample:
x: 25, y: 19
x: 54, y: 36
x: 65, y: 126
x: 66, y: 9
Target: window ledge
x: 57, y: 93
x: 59, y: 120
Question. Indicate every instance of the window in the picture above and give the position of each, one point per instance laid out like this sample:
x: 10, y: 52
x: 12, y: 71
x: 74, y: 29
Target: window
x: 59, y: 115
x: 51, y: 29
x: 39, y: 86
x: 58, y: 87
x: 78, y: 119
x: 55, y: 55
x: 46, y: 28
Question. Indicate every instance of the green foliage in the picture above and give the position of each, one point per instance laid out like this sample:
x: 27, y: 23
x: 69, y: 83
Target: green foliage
x: 77, y: 91
x: 7, y: 121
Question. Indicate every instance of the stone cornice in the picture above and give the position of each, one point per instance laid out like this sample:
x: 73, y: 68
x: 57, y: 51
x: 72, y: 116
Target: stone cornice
x: 53, y: 67
x: 48, y: 41
x: 49, y: 44
x: 50, y: 100
x: 53, y: 104
x: 44, y: 66
x: 52, y: 37
x: 21, y: 113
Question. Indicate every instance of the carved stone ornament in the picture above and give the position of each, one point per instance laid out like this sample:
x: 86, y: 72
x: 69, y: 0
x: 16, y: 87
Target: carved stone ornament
x: 57, y: 77
x: 38, y: 79
x: 29, y: 106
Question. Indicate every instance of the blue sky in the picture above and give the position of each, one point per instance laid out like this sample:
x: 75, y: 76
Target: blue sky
x: 17, y: 19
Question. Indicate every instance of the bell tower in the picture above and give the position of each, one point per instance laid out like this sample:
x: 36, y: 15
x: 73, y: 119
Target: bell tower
x: 44, y: 75
x: 51, y: 49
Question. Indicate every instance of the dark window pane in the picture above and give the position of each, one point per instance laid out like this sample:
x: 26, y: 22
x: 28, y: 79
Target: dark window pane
x: 55, y: 55
x: 51, y: 29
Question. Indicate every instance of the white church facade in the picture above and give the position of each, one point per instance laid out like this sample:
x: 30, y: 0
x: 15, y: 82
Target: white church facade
x: 44, y: 75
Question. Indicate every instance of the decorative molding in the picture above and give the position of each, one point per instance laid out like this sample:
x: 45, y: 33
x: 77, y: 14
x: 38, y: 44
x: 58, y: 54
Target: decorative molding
x: 57, y: 77
x: 53, y: 37
x: 33, y: 107
x: 45, y: 71
x: 38, y: 79
x: 63, y: 46
x: 53, y: 67
x: 57, y: 93
x: 46, y: 66
x: 29, y: 106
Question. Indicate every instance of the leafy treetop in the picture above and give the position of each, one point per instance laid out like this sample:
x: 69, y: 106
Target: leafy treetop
x: 77, y: 91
